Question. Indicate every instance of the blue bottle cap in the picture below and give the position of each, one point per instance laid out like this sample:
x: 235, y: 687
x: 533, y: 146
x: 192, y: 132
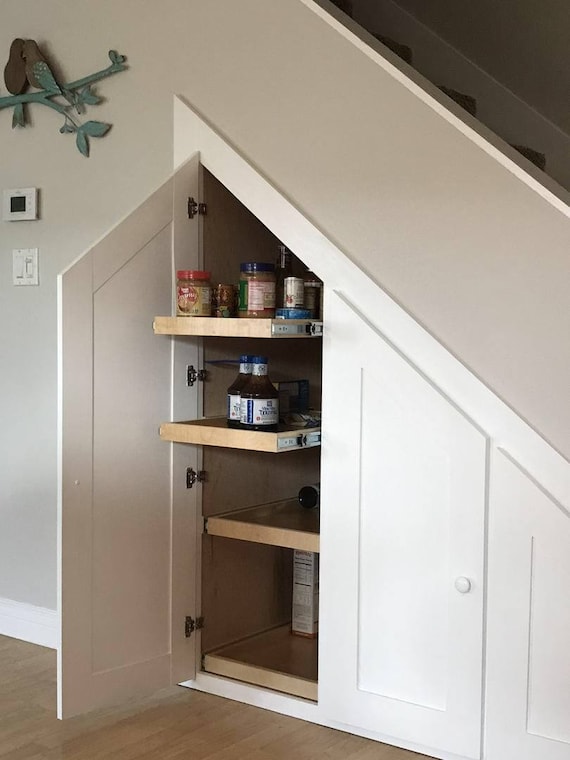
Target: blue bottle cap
x: 259, y: 359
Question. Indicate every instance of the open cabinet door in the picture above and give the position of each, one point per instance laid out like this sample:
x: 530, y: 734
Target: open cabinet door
x: 126, y: 525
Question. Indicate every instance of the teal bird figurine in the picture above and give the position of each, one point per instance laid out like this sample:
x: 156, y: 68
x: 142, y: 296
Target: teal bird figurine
x: 38, y: 72
x: 15, y: 77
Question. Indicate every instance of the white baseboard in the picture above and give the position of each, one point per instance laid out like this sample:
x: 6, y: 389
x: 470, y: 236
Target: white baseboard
x: 38, y: 625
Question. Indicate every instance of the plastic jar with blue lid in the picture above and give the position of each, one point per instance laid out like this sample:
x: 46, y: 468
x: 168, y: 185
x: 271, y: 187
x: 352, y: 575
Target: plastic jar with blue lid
x: 257, y: 290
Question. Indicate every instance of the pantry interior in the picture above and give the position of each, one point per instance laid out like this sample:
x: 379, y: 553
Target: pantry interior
x: 249, y: 481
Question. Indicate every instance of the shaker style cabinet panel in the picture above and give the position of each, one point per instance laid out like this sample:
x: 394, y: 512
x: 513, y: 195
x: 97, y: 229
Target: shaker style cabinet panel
x: 402, y: 537
x: 122, y: 521
x: 528, y: 687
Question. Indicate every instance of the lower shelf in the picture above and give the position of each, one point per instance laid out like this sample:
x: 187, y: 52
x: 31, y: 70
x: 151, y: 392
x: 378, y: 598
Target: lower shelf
x: 282, y: 523
x: 275, y: 659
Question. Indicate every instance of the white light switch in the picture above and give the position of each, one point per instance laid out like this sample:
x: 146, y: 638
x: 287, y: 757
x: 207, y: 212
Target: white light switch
x: 25, y: 270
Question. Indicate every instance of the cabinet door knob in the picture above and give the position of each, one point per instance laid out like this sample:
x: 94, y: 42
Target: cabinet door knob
x: 463, y: 585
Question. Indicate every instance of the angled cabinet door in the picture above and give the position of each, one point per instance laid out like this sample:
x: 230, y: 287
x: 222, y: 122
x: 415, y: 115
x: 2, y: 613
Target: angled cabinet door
x: 528, y: 660
x: 402, y: 547
x: 118, y: 507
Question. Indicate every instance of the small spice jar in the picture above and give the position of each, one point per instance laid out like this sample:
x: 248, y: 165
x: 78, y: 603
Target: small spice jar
x: 223, y: 301
x: 193, y: 293
x: 257, y: 290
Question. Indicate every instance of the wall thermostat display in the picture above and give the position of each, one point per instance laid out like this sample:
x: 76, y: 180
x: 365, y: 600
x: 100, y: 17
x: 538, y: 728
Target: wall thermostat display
x: 20, y: 205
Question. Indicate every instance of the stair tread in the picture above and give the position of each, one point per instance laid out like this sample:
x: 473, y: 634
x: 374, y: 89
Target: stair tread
x: 535, y: 156
x: 467, y: 102
x: 344, y: 5
x: 402, y: 51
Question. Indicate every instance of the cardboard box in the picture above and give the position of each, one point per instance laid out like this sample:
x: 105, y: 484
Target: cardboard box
x: 305, y: 615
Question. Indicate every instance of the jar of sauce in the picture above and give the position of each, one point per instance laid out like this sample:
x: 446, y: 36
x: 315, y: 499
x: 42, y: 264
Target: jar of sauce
x: 193, y: 293
x: 257, y: 290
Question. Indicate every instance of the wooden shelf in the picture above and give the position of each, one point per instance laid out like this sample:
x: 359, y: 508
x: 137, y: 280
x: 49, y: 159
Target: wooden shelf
x: 275, y: 659
x: 282, y: 523
x: 213, y: 431
x: 234, y: 327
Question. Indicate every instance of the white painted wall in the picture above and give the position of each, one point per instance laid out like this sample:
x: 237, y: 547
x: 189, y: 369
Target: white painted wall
x: 479, y: 258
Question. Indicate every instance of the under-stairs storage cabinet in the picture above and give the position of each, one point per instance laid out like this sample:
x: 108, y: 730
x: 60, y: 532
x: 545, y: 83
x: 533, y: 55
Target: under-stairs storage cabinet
x: 162, y: 583
x: 206, y: 571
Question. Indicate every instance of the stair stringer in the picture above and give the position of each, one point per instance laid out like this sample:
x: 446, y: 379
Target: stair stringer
x: 518, y: 123
x: 497, y: 106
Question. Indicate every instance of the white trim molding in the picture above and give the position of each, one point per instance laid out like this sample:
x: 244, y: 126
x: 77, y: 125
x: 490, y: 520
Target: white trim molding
x: 37, y: 625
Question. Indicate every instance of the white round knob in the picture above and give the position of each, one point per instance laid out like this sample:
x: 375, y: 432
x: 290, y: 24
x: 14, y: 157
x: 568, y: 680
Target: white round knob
x: 463, y: 585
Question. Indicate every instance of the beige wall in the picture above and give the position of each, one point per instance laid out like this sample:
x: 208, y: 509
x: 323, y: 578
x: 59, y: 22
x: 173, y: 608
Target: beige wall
x: 479, y: 258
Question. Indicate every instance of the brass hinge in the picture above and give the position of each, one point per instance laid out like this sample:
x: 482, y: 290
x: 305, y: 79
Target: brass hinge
x: 191, y: 625
x: 194, y: 477
x: 195, y: 208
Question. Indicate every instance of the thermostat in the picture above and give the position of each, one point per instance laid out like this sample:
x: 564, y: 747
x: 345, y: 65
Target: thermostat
x: 20, y: 205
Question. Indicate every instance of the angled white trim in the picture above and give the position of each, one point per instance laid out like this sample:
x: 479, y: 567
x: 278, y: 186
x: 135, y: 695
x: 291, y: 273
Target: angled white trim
x: 37, y: 625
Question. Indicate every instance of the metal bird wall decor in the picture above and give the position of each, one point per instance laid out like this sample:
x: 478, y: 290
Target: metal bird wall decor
x: 27, y: 67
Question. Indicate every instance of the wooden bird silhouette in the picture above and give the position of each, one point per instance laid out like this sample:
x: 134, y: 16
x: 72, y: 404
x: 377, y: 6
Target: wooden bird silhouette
x: 38, y: 72
x: 15, y: 77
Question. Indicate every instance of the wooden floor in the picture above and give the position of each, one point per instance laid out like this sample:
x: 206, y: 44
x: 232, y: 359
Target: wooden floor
x: 176, y: 723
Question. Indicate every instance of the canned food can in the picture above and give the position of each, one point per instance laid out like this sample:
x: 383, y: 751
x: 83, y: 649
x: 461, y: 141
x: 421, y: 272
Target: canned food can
x: 294, y: 292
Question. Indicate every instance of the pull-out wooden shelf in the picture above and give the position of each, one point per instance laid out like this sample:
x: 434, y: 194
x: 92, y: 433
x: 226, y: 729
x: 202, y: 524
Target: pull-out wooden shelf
x: 213, y: 327
x: 282, y: 523
x: 275, y: 659
x: 213, y: 431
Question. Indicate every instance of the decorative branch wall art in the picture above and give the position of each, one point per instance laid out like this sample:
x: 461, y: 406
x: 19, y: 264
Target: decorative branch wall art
x: 27, y: 67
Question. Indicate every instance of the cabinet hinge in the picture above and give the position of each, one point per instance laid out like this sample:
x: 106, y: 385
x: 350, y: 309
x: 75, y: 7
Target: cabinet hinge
x: 195, y: 208
x: 194, y: 375
x: 191, y: 625
x: 194, y: 477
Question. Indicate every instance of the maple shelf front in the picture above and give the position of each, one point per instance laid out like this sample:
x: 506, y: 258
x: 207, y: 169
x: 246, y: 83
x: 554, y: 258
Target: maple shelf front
x: 235, y: 327
x: 213, y: 431
x: 281, y: 523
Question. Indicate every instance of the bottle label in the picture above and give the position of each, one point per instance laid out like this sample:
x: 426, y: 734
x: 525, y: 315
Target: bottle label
x: 242, y: 296
x: 260, y: 295
x: 194, y: 300
x: 259, y: 411
x: 234, y: 407
x: 294, y: 293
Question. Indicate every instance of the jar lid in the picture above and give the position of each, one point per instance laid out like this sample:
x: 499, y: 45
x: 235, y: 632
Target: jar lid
x: 192, y: 274
x: 256, y: 266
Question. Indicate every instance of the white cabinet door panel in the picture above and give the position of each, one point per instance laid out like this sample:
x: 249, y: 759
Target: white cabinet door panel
x: 528, y: 687
x: 404, y: 483
x: 127, y: 530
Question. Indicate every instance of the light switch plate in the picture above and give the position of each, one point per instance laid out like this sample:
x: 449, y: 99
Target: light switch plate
x: 25, y: 269
x: 20, y: 205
